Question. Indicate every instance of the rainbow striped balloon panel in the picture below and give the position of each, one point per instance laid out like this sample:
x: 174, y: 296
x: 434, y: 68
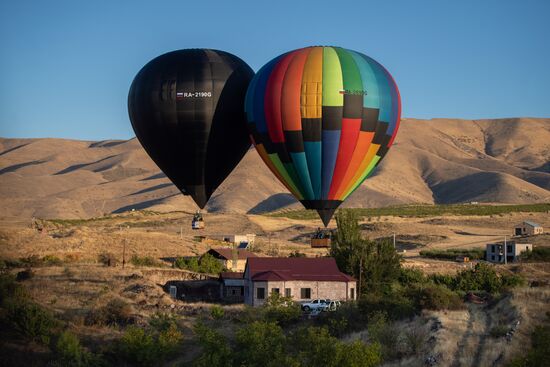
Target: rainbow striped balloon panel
x: 322, y: 118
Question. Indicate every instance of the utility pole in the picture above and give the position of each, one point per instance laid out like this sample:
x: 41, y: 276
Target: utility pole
x: 394, y: 240
x: 181, y: 232
x: 123, y: 253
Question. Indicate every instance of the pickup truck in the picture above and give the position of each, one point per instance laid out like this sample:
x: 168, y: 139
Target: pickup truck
x: 316, y: 304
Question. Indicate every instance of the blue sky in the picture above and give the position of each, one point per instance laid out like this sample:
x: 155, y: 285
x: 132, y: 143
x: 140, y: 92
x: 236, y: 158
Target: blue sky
x: 66, y: 66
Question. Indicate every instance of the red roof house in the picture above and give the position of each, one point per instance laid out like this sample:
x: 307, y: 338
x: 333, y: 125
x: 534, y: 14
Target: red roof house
x: 301, y: 278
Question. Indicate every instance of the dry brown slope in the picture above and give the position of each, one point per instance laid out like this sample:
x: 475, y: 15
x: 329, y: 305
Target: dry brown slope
x: 439, y: 160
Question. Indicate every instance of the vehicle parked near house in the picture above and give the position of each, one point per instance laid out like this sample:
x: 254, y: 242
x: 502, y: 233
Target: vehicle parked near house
x: 333, y: 306
x: 316, y: 304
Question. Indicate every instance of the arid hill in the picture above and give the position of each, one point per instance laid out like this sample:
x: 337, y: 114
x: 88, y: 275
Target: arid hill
x: 432, y: 161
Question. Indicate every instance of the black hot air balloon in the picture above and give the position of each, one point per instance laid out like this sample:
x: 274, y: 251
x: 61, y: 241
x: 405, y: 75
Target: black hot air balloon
x: 187, y: 110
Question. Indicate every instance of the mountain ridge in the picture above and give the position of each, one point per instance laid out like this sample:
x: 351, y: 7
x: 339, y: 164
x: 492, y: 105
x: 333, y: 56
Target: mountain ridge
x: 431, y: 161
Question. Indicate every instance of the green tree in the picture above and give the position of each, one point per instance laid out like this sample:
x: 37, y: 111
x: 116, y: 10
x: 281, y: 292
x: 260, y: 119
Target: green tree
x: 375, y: 264
x: 358, y: 354
x: 216, y: 351
x: 209, y: 264
x: 261, y: 344
x: 314, y: 346
x: 69, y: 352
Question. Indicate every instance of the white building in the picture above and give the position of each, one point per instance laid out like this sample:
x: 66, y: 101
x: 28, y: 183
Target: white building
x: 495, y: 251
x: 527, y: 228
x: 242, y: 241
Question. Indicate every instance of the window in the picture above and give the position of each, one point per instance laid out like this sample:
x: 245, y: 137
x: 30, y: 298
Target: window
x: 275, y: 290
x: 305, y: 293
x: 352, y: 293
x: 260, y: 293
x: 508, y: 248
x: 492, y: 248
x: 493, y: 257
x: 288, y: 292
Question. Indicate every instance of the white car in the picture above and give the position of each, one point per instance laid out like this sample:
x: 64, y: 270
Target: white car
x: 333, y: 306
x: 316, y: 304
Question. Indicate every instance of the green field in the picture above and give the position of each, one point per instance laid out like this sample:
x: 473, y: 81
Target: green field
x: 424, y: 210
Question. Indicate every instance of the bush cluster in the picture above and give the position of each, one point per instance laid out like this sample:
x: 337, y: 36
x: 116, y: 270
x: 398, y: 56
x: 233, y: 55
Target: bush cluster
x: 263, y: 343
x: 207, y: 264
x: 115, y: 312
x: 23, y: 315
x: 482, y: 277
x: 31, y: 261
x: 538, y: 254
x: 107, y: 259
x: 145, y: 261
x: 148, y: 347
x: 451, y: 254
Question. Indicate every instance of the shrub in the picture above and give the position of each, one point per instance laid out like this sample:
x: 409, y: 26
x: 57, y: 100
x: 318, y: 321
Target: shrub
x: 216, y: 351
x: 434, y: 297
x: 10, y: 289
x: 281, y: 310
x: 498, y: 331
x: 162, y: 321
x: 414, y: 340
x: 25, y: 275
x: 115, y: 312
x: 51, y: 260
x: 138, y: 347
x: 169, y: 340
x: 539, y: 354
x: 191, y: 263
x: 107, y: 259
x: 69, y: 352
x: 31, y: 320
x: 209, y: 264
x: 217, y: 312
x: 358, y: 354
x: 538, y: 254
x: 409, y: 276
x: 394, y: 303
x: 451, y: 254
x: 144, y: 261
x: 261, y: 344
x: 384, y: 333
x: 313, y: 346
x: 30, y: 261
x: 482, y: 277
x: 143, y: 348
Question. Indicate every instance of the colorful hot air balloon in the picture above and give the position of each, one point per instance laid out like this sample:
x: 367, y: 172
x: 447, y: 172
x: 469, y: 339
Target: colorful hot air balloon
x: 322, y: 118
x: 187, y: 110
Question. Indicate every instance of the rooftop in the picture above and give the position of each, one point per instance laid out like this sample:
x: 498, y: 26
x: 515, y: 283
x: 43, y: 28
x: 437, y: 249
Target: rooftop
x: 296, y: 268
x: 228, y: 253
x: 532, y: 224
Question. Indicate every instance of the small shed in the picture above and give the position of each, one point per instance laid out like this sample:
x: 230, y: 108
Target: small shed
x: 462, y: 259
x: 232, y: 286
x: 528, y: 228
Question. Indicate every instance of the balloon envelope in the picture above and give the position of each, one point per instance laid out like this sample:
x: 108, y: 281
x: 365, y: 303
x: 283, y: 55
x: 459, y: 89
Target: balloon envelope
x: 187, y: 110
x: 322, y: 118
